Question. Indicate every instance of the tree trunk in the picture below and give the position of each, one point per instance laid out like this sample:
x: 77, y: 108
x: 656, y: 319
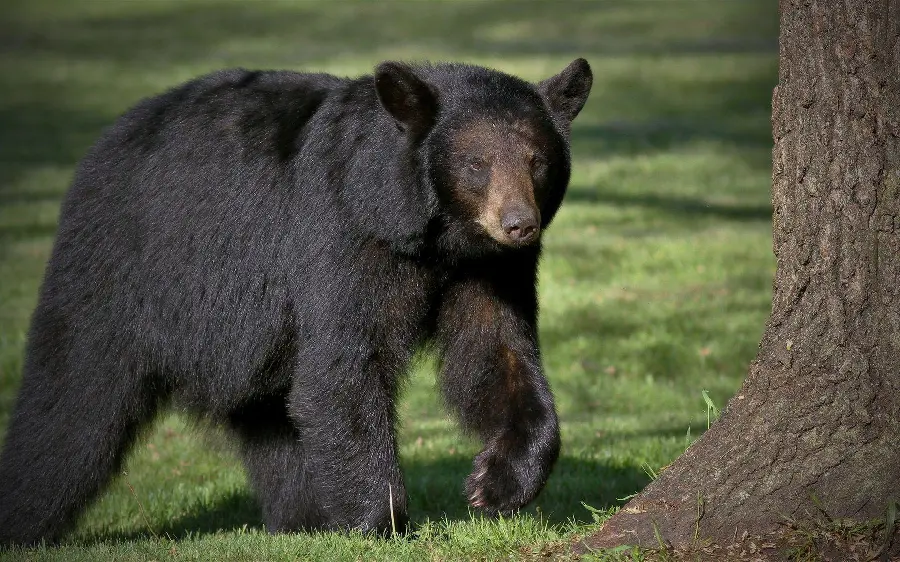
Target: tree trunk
x: 816, y: 424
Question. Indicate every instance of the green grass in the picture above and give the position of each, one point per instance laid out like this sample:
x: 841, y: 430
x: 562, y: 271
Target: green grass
x: 655, y: 285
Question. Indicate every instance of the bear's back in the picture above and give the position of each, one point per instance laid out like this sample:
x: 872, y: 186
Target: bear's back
x: 188, y: 203
x: 236, y: 109
x: 220, y: 148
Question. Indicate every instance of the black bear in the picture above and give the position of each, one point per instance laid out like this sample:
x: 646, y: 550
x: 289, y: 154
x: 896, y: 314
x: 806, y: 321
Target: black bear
x: 268, y: 250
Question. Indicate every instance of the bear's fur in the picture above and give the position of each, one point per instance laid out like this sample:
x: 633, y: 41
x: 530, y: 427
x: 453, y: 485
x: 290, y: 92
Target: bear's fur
x: 268, y: 250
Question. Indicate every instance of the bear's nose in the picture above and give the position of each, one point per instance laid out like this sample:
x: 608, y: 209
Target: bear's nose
x: 520, y: 225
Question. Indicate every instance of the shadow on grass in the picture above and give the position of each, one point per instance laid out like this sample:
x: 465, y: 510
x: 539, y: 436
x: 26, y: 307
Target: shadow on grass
x: 673, y: 204
x: 435, y: 492
x: 42, y: 132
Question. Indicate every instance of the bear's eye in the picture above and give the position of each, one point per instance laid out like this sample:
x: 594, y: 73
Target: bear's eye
x: 476, y: 164
x: 538, y: 166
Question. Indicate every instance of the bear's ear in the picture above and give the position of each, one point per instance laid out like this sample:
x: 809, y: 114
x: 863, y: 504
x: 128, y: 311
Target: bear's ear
x: 567, y: 91
x: 405, y: 96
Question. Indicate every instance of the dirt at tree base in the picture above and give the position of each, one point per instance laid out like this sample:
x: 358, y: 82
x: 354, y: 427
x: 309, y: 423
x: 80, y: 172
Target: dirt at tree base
x: 824, y: 540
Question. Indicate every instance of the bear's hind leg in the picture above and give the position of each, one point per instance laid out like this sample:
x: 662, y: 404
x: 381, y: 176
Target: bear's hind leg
x: 72, y: 425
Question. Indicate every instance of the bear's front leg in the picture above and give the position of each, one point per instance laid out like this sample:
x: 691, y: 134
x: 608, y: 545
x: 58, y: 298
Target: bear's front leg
x: 345, y: 418
x: 491, y: 375
x: 514, y: 465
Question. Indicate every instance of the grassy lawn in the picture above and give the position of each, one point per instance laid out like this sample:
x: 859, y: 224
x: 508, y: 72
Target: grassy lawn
x: 655, y: 285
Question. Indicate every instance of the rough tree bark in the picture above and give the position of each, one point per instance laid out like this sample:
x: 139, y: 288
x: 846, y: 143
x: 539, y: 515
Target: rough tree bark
x: 819, y: 413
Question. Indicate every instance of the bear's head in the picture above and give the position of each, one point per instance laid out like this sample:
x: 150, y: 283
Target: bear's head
x: 493, y: 148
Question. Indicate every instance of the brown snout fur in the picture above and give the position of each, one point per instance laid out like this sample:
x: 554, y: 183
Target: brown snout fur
x: 509, y: 149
